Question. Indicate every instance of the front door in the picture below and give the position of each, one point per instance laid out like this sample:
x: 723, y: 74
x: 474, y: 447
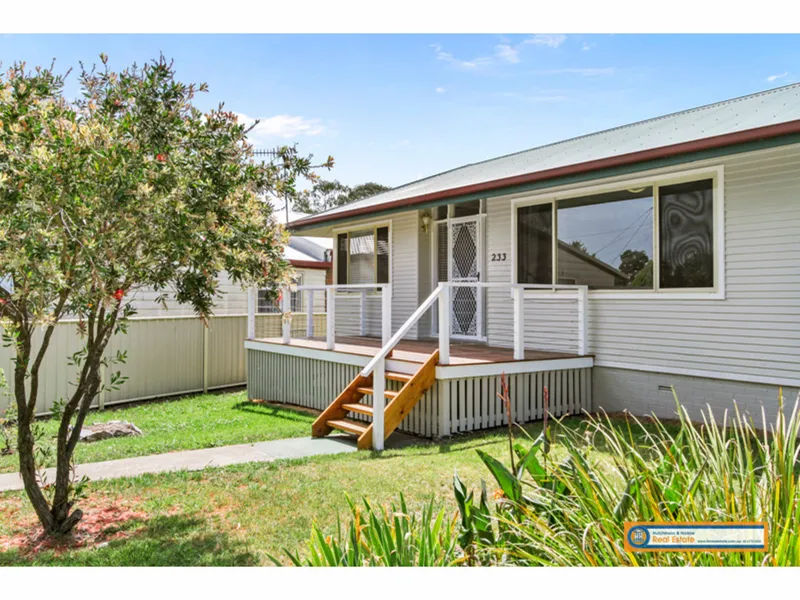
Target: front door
x: 464, y: 267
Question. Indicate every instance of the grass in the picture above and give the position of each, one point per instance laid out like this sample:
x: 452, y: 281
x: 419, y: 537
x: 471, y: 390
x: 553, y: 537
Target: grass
x: 240, y: 515
x: 187, y: 423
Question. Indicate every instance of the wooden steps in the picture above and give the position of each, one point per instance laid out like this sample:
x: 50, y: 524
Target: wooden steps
x: 398, y: 403
x: 349, y: 426
x: 398, y: 376
x: 368, y: 391
x: 364, y: 409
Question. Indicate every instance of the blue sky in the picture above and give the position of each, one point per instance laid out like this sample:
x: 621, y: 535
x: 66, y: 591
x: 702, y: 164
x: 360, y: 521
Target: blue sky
x: 394, y: 108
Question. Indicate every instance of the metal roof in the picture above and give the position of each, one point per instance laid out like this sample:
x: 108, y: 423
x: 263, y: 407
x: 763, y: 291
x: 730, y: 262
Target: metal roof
x: 763, y: 109
x: 290, y: 253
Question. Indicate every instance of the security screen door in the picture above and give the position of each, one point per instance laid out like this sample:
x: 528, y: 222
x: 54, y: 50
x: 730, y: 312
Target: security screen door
x: 464, y: 263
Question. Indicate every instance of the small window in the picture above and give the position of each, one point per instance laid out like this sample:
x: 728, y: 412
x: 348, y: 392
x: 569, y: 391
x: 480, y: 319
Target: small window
x: 341, y: 258
x: 296, y: 300
x: 686, y: 235
x: 268, y: 301
x: 382, y: 255
x: 467, y: 209
x: 362, y: 256
x: 441, y: 212
x: 442, y: 252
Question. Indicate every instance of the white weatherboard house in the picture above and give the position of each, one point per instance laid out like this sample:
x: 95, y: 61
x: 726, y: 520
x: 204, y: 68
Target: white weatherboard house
x: 607, y: 268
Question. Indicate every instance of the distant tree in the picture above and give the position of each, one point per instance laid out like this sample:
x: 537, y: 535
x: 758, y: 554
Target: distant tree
x: 579, y: 245
x: 366, y: 190
x: 632, y: 262
x: 326, y: 195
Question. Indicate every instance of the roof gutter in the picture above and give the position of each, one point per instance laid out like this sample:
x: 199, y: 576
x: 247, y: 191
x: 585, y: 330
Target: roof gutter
x: 311, y: 264
x: 710, y: 143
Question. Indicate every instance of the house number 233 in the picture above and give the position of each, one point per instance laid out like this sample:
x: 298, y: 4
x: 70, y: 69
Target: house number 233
x: 498, y: 256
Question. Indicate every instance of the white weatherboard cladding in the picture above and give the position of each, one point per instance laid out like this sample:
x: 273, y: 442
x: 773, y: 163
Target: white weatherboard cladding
x: 233, y: 300
x: 754, y: 332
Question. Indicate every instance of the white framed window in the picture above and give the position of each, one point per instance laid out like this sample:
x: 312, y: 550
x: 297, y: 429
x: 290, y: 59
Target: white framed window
x: 296, y: 299
x: 650, y: 236
x: 268, y: 302
x: 363, y: 255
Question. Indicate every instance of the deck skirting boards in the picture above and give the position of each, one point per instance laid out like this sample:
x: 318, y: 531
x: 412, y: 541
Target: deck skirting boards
x: 453, y: 405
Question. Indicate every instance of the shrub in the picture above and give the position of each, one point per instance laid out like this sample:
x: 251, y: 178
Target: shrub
x: 573, y: 513
x: 384, y: 537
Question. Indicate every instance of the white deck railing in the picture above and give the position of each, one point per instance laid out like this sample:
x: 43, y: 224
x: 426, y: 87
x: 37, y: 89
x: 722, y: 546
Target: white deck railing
x: 330, y: 309
x: 442, y: 294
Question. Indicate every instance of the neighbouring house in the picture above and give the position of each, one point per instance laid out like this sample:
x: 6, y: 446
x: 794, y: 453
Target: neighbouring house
x: 310, y: 257
x: 609, y: 268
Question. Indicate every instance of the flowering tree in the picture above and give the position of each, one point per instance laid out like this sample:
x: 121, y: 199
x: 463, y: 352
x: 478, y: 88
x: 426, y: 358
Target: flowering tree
x: 127, y: 186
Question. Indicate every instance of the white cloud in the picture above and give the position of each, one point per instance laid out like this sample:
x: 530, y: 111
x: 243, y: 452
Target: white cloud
x: 772, y: 78
x: 440, y: 90
x: 546, y: 39
x: 503, y: 53
x: 586, y: 46
x: 281, y: 126
x: 506, y: 53
x: 464, y: 65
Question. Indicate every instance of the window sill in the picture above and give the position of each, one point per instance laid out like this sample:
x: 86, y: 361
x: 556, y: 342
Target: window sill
x: 632, y: 295
x: 651, y: 295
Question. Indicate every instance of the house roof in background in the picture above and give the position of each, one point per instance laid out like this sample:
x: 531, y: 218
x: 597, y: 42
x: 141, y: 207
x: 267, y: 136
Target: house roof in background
x: 763, y: 115
x: 301, y: 251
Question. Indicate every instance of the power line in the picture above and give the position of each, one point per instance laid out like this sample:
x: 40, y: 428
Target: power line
x: 633, y: 223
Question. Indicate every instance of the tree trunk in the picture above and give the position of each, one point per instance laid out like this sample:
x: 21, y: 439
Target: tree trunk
x: 56, y: 518
x: 27, y: 468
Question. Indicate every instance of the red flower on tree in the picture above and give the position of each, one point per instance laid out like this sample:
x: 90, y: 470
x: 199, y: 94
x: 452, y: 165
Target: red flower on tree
x: 161, y: 157
x: 119, y: 294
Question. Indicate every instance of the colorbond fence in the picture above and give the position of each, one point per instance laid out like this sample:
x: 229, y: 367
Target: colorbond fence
x: 166, y: 356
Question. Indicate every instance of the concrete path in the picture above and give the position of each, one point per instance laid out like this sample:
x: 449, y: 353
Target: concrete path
x: 196, y: 460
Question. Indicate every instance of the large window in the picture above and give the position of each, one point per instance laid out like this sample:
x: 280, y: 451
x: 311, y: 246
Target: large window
x: 362, y: 256
x: 649, y: 237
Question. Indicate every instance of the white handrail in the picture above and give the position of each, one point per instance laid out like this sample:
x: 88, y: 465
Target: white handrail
x: 343, y: 286
x: 512, y: 286
x: 404, y: 329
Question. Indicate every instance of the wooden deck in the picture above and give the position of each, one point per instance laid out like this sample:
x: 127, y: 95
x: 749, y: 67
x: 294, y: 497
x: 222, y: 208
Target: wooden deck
x: 418, y: 351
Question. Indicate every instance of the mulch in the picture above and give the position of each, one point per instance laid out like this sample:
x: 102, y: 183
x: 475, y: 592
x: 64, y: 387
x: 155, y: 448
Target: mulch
x: 105, y: 519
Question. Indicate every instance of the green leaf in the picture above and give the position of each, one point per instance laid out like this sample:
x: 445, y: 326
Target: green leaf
x: 505, y: 479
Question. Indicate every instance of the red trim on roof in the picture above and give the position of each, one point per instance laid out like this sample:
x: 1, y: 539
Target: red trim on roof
x: 719, y: 141
x: 311, y: 264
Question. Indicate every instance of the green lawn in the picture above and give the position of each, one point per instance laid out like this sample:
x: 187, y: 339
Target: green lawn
x: 239, y: 515
x: 187, y: 423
